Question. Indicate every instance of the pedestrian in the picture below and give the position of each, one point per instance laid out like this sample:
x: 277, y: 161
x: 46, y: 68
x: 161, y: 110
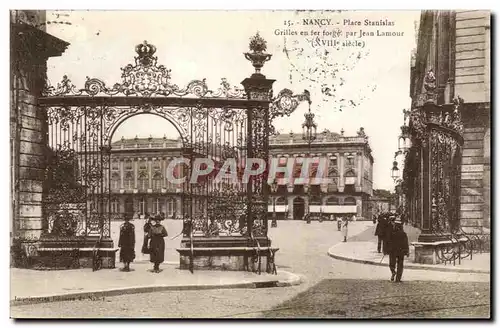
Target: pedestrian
x: 145, y: 243
x: 345, y: 224
x: 388, y: 228
x: 398, y: 249
x: 157, y: 233
x: 379, y: 232
x: 339, y: 223
x: 127, y: 243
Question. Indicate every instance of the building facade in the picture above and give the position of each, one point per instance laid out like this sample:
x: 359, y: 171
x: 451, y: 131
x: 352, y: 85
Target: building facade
x: 139, y: 184
x: 138, y: 177
x: 455, y: 47
x: 350, y: 176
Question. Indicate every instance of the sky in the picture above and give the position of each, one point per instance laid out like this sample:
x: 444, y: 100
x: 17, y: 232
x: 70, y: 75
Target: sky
x: 210, y: 44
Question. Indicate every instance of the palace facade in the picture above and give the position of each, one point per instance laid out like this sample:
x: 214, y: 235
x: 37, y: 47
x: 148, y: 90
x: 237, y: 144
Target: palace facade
x: 139, y: 181
x: 348, y: 188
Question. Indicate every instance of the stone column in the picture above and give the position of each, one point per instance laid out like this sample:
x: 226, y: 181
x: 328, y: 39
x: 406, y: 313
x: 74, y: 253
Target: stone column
x: 290, y: 207
x: 136, y: 170
x: 150, y: 176
x: 340, y: 158
x: 121, y: 174
x: 359, y: 160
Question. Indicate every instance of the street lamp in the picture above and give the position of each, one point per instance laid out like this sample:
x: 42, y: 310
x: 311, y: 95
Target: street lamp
x: 309, y: 129
x: 274, y: 189
x: 395, y: 173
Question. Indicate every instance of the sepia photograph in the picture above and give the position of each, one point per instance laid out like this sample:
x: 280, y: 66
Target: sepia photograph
x: 250, y: 164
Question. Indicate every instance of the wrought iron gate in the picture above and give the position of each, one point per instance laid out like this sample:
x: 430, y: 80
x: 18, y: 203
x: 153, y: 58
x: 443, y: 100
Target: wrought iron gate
x: 227, y: 123
x: 432, y: 169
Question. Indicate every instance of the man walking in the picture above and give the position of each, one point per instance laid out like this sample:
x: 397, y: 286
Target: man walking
x: 388, y: 229
x: 398, y: 249
x: 379, y: 232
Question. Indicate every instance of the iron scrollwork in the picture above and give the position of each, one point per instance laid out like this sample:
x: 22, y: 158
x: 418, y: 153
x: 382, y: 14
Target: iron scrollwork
x: 145, y: 78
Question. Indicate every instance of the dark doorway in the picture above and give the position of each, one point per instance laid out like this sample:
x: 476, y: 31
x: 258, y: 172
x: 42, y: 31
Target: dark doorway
x: 298, y: 208
x: 129, y: 206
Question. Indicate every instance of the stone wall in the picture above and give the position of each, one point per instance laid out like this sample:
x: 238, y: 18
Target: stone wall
x: 30, y: 48
x: 472, y: 50
x: 472, y: 83
x: 475, y: 177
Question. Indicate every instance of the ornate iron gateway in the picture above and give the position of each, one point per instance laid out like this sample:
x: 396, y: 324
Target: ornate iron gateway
x: 226, y: 123
x: 432, y: 167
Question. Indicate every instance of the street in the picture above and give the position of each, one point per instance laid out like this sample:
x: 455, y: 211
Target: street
x: 331, y: 289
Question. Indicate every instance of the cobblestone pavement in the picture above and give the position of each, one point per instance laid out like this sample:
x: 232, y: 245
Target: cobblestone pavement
x: 332, y: 288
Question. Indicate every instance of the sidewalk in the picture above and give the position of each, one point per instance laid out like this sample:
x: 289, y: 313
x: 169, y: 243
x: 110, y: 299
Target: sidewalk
x: 362, y: 248
x: 33, y: 286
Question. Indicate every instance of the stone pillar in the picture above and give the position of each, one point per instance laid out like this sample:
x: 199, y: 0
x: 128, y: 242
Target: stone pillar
x: 121, y: 175
x: 341, y: 184
x: 178, y: 205
x: 136, y: 171
x: 290, y: 207
x: 359, y: 177
x: 150, y: 175
x: 30, y: 48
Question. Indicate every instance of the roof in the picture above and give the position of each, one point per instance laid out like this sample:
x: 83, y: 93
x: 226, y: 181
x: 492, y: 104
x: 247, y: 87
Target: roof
x: 146, y: 142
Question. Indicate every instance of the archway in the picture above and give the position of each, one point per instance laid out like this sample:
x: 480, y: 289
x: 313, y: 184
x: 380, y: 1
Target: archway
x: 298, y: 208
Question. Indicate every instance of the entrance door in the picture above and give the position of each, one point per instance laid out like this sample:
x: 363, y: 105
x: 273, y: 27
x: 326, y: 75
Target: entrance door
x: 129, y: 206
x: 298, y: 208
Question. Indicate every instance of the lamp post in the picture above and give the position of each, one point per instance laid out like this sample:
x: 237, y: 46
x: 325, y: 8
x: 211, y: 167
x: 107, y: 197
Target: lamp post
x: 274, y: 189
x: 309, y: 129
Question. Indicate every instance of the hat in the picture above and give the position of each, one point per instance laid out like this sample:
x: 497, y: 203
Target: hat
x: 398, y: 221
x: 127, y: 218
x: 392, y: 217
x: 158, y: 217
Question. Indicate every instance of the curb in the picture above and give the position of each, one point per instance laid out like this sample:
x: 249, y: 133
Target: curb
x: 407, y: 266
x: 291, y: 280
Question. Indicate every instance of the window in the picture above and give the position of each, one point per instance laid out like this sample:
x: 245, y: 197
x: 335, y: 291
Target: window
x: 332, y: 201
x: 157, y: 181
x: 115, y: 206
x: 350, y: 160
x: 115, y: 181
x: 333, y: 163
x: 115, y: 166
x: 280, y: 201
x: 143, y: 180
x: 142, y: 206
x: 156, y: 206
x: 350, y: 201
x: 170, y: 206
x: 128, y: 166
x: 129, y: 181
x: 315, y: 201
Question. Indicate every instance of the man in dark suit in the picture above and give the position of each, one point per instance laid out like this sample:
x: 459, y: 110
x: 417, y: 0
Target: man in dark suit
x: 398, y: 249
x: 379, y: 232
x: 387, y: 232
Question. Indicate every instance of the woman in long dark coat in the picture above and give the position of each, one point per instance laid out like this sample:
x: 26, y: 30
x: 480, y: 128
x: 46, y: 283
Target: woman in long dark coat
x: 145, y: 243
x: 157, y: 233
x: 127, y: 243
